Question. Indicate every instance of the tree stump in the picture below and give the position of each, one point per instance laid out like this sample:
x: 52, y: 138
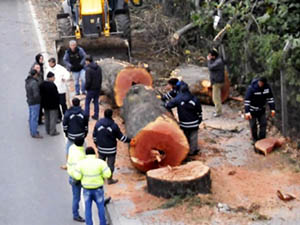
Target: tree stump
x: 198, y: 80
x: 191, y: 178
x: 119, y: 76
x: 159, y: 141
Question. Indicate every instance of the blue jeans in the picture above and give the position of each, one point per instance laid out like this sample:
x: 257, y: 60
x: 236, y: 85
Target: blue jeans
x: 92, y: 95
x: 69, y: 143
x: 96, y: 195
x: 34, y: 112
x: 79, y: 76
x: 76, y: 191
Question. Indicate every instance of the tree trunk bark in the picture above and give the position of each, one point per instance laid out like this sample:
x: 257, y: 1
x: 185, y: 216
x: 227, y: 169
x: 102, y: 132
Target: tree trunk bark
x: 199, y: 83
x: 191, y: 178
x: 158, y: 139
x: 119, y: 76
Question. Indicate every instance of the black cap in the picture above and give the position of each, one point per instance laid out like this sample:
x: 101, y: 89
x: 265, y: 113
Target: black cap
x: 50, y: 74
x: 89, y: 151
x: 263, y: 79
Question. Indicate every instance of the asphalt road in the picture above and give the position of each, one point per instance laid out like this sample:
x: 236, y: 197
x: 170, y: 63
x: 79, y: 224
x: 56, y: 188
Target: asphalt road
x: 33, y: 190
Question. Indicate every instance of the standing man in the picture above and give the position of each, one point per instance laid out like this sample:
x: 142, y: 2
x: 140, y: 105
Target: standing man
x: 75, y: 124
x: 92, y: 172
x: 216, y: 68
x: 74, y: 60
x: 76, y: 154
x: 258, y: 94
x: 106, y: 133
x: 34, y: 101
x: 61, y: 77
x: 40, y: 78
x: 93, y: 77
x: 190, y: 116
x: 50, y: 102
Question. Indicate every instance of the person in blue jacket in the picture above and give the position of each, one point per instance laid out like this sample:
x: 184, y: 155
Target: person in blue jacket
x: 190, y: 115
x: 258, y: 94
x: 106, y: 133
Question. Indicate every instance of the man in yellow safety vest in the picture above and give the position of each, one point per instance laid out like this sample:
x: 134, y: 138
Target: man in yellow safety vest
x: 92, y: 171
x: 76, y: 154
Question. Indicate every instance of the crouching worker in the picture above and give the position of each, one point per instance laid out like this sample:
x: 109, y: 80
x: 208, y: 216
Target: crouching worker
x: 106, y: 133
x: 190, y: 115
x: 76, y: 154
x: 92, y: 172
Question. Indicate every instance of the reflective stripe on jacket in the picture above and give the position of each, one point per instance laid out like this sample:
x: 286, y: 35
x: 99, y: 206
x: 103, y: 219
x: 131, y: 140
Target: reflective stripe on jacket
x: 76, y: 154
x: 92, y: 172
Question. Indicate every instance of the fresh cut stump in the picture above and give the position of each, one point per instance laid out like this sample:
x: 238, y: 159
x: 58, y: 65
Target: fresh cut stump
x: 191, y: 178
x: 158, y: 139
x: 119, y: 76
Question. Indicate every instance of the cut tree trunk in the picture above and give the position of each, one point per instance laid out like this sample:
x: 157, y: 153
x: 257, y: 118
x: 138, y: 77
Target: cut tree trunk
x: 199, y: 83
x: 119, y: 76
x: 191, y: 178
x: 266, y: 145
x: 158, y: 139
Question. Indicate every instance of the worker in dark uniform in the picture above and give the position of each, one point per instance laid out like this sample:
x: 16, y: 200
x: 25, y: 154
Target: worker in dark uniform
x: 190, y: 115
x: 106, y: 133
x: 258, y: 94
x: 75, y: 125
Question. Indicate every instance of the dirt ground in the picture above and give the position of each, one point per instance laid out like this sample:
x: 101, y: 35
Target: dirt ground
x: 244, y: 184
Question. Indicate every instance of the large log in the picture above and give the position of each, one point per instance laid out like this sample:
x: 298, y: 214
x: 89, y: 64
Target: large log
x: 119, y: 76
x: 266, y: 145
x: 191, y: 178
x: 198, y: 80
x: 159, y: 141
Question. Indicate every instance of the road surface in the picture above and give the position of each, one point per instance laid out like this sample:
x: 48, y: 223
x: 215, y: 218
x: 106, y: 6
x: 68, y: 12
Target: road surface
x: 33, y: 189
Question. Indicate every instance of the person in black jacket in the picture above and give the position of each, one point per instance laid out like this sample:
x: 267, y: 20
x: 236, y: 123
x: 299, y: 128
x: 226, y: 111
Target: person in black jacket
x: 34, y: 101
x: 93, y: 81
x: 106, y: 133
x: 37, y: 67
x: 216, y: 68
x: 74, y: 60
x: 190, y: 115
x: 50, y: 102
x: 258, y: 94
x: 75, y: 124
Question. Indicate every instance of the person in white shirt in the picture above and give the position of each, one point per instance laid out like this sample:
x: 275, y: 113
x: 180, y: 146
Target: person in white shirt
x: 61, y: 77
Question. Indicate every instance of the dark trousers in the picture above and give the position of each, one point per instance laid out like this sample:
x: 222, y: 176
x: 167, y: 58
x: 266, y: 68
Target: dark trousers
x: 92, y: 95
x: 63, y: 106
x: 111, y: 159
x: 192, y: 137
x: 50, y: 121
x: 258, y: 118
x: 41, y: 115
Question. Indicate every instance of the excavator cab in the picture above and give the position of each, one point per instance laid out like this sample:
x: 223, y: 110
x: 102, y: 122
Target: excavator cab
x: 101, y: 27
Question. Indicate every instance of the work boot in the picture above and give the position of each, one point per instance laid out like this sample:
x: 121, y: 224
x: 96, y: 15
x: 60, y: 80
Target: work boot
x: 79, y: 219
x: 107, y: 200
x: 111, y: 181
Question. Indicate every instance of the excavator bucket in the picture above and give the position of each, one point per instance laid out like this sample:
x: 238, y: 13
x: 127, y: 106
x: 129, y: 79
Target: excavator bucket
x: 103, y: 47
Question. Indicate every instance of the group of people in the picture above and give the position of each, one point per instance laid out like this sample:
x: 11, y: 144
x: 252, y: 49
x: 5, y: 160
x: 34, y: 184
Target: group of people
x: 46, y: 91
x: 87, y: 167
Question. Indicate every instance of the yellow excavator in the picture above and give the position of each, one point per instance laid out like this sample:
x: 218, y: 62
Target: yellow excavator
x: 100, y: 27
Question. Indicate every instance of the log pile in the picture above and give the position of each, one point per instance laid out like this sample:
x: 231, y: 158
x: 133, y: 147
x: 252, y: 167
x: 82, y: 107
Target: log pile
x: 191, y: 178
x: 198, y: 80
x: 159, y: 141
x: 119, y: 76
